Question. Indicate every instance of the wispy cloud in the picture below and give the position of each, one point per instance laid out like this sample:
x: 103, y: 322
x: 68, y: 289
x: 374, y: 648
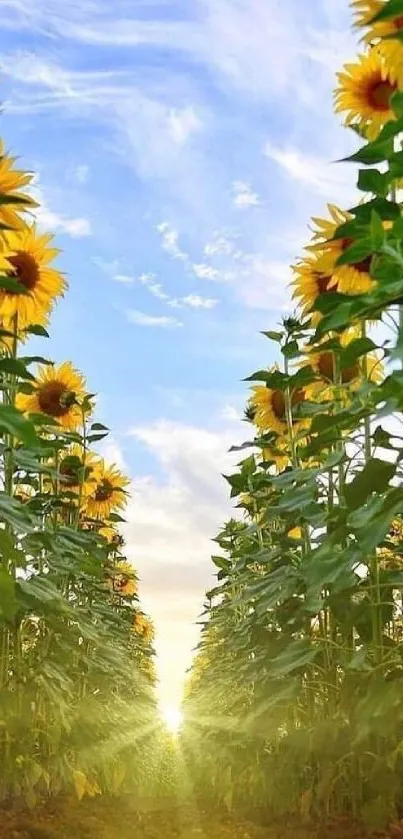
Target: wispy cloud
x: 244, y: 196
x: 170, y: 241
x: 76, y: 227
x: 316, y: 173
x: 160, y: 321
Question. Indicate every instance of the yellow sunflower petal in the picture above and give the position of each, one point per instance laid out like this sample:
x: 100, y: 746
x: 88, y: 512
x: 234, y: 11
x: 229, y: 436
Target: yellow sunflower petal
x: 12, y: 181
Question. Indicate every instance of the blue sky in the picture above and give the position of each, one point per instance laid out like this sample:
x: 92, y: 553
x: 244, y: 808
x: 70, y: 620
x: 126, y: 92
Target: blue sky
x: 180, y: 148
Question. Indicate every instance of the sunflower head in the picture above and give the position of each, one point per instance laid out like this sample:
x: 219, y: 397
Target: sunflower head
x: 364, y: 92
x: 122, y: 580
x: 56, y: 394
x: 270, y: 408
x: 108, y: 492
x: 12, y: 184
x: 143, y: 627
x: 78, y: 471
x: 382, y: 32
x: 313, y: 276
x: 26, y: 258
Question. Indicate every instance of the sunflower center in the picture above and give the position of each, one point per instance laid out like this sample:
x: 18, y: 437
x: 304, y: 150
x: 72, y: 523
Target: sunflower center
x: 379, y: 94
x: 24, y: 269
x: 104, y: 490
x: 327, y: 369
x: 70, y: 470
x: 52, y: 398
x: 398, y: 22
x: 323, y: 284
x: 278, y: 402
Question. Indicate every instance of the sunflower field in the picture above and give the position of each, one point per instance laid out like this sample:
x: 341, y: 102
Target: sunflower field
x: 78, y: 710
x: 294, y: 702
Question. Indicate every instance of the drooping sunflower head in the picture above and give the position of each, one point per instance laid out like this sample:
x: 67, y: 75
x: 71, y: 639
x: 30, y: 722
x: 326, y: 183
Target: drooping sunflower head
x: 312, y: 277
x: 278, y: 454
x: 270, y: 408
x: 26, y: 258
x: 12, y: 181
x: 78, y: 471
x: 122, y: 580
x: 57, y: 393
x: 143, y: 627
x: 364, y: 92
x: 112, y: 536
x: 108, y: 493
x: 324, y: 230
x: 332, y: 374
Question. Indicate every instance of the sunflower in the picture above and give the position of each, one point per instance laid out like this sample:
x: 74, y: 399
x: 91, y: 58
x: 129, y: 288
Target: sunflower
x: 123, y: 580
x: 392, y: 48
x: 12, y: 181
x: 364, y: 93
x: 278, y: 454
x: 78, y: 471
x: 108, y: 494
x: 56, y: 394
x: 350, y: 279
x: 143, y: 627
x: 25, y: 257
x: 323, y: 362
x: 325, y: 229
x: 111, y: 536
x: 295, y: 533
x: 312, y: 278
x: 270, y: 408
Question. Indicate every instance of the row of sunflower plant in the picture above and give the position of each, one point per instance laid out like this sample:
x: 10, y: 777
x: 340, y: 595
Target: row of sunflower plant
x: 294, y: 703
x: 77, y: 700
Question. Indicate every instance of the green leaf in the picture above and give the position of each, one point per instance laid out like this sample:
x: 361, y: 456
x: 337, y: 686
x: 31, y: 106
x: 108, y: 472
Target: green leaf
x: 15, y: 367
x: 374, y: 477
x: 274, y: 336
x: 377, y: 231
x: 376, y: 152
x: 396, y: 102
x: 37, y: 329
x: 15, y: 423
x: 393, y: 8
x: 354, y: 350
x: 372, y: 180
x: 95, y: 438
x: 357, y: 252
x: 291, y: 349
x: 97, y: 426
x: 8, y: 601
x: 11, y: 284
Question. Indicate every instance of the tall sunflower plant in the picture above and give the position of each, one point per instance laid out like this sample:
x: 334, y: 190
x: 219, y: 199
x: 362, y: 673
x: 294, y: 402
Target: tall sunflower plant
x: 294, y: 702
x: 75, y: 645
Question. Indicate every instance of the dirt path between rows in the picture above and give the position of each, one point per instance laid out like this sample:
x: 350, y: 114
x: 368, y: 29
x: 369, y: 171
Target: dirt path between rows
x: 104, y: 818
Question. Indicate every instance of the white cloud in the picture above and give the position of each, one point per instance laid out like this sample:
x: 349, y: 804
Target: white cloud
x: 331, y: 180
x: 221, y: 243
x: 205, y: 272
x: 47, y: 218
x: 171, y: 520
x: 170, y: 241
x: 244, y: 196
x: 142, y: 319
x: 124, y: 279
x: 156, y: 289
x: 182, y: 123
x: 196, y: 301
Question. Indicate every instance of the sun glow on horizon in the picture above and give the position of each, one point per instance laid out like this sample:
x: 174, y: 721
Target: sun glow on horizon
x: 172, y: 718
